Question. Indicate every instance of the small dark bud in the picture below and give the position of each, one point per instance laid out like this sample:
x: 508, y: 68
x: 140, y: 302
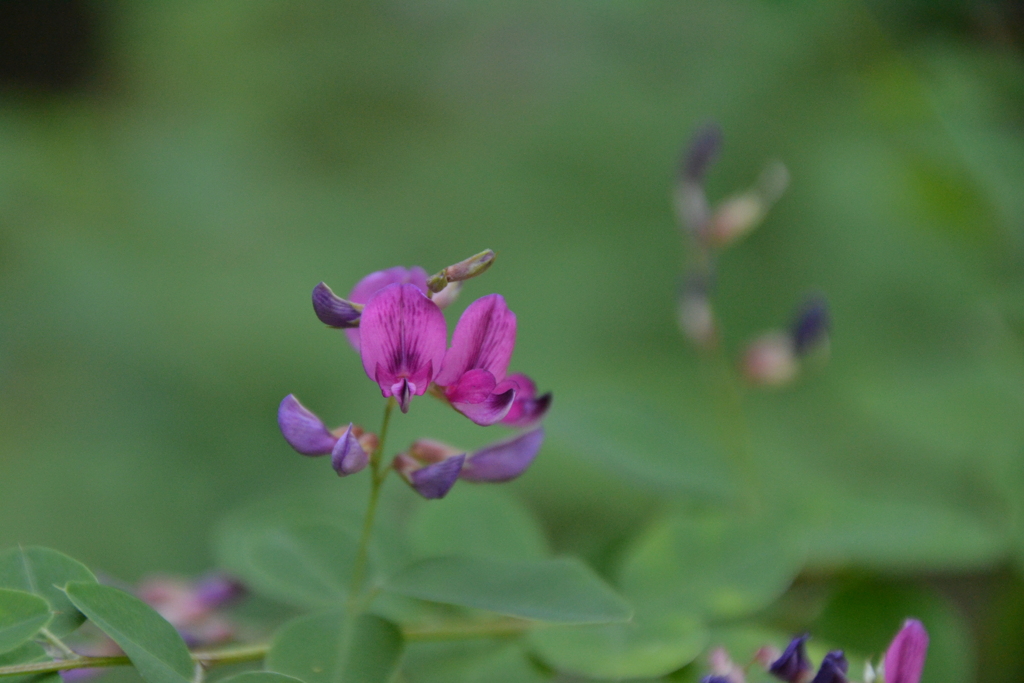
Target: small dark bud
x: 833, y: 668
x: 792, y: 665
x: 334, y: 311
x: 811, y: 325
x: 702, y: 150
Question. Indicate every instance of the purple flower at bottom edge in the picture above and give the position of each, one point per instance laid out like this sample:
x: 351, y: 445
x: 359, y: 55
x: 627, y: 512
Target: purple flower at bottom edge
x: 905, y: 657
x: 833, y: 668
x: 792, y: 665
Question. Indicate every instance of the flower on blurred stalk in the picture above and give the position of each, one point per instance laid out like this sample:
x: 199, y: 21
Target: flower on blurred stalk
x: 833, y: 668
x: 905, y: 657
x: 792, y: 665
x: 432, y: 467
x: 349, y: 447
x: 773, y: 359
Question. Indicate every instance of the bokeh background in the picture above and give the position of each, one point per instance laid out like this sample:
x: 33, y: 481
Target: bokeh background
x: 175, y: 178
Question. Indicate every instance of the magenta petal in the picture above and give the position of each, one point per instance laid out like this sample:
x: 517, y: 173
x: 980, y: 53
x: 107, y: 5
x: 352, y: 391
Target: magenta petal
x: 475, y: 386
x: 402, y: 338
x: 490, y: 411
x: 435, y: 481
x: 376, y: 281
x: 483, y: 339
x: 504, y: 460
x: 904, y: 659
x: 332, y: 310
x: 303, y: 430
x: 348, y: 456
x: 528, y: 411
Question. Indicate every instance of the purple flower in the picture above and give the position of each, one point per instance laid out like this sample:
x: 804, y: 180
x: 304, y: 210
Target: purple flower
x: 792, y: 665
x: 811, y: 325
x: 332, y: 310
x: 402, y: 341
x: 527, y: 408
x: 504, y: 460
x: 473, y: 371
x: 307, y: 434
x: 833, y: 668
x: 373, y: 283
x: 431, y: 467
x: 904, y: 659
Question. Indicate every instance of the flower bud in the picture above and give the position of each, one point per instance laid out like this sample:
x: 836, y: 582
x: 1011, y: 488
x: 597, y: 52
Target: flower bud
x: 332, y: 310
x: 904, y: 659
x: 699, y: 154
x: 696, y: 317
x: 348, y: 456
x: 792, y: 665
x: 833, y: 668
x: 463, y: 270
x: 770, y: 360
x: 810, y: 328
x: 736, y: 217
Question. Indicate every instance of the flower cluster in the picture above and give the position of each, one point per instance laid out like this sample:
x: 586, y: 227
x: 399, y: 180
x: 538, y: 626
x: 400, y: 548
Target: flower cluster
x: 903, y: 662
x: 774, y: 358
x: 393, y: 318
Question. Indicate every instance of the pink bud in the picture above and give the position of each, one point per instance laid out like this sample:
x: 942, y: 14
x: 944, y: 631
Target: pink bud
x: 904, y: 659
x: 770, y: 360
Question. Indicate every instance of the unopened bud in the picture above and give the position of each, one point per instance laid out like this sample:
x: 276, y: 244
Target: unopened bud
x: 332, y: 310
x: 810, y: 327
x: 463, y: 270
x: 696, y: 317
x: 447, y: 296
x: 701, y: 151
x: 770, y: 360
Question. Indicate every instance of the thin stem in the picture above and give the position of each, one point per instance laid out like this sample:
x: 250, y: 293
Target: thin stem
x: 232, y: 655
x: 379, y: 474
x: 57, y: 643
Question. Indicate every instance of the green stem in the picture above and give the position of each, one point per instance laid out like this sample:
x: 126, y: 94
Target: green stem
x: 57, y: 643
x: 379, y: 474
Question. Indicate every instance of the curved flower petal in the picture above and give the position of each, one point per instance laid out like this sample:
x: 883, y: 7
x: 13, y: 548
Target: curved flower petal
x: 505, y: 460
x: 792, y: 665
x: 904, y: 659
x: 332, y: 310
x: 483, y: 339
x: 348, y: 456
x: 491, y: 410
x: 475, y: 386
x: 833, y: 668
x: 402, y: 341
x: 303, y: 430
x: 435, y: 481
x: 527, y: 409
x: 378, y: 280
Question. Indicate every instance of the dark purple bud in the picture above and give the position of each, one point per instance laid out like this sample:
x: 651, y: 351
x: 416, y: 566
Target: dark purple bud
x: 218, y: 590
x: 703, y: 148
x: 833, y: 668
x: 792, y: 665
x: 303, y: 430
x: 504, y: 460
x: 811, y: 325
x: 435, y: 481
x: 333, y: 310
x: 348, y: 455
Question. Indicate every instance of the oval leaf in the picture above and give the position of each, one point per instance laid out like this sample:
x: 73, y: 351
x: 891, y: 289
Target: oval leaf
x: 561, y: 590
x: 45, y: 572
x: 467, y: 522
x: 331, y: 648
x: 28, y: 653
x: 153, y: 645
x: 21, y: 616
x: 307, y: 565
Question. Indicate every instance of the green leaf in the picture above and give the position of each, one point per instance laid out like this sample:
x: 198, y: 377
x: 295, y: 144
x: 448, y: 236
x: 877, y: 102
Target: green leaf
x: 29, y: 653
x: 470, y: 520
x: 45, y: 572
x: 560, y: 590
x: 713, y: 565
x: 153, y: 645
x: 470, y: 661
x: 307, y: 565
x: 21, y: 616
x: 330, y: 648
x: 651, y: 644
x: 259, y: 677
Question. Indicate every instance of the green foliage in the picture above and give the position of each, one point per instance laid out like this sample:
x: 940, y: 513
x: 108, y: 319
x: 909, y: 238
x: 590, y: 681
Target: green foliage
x: 27, y: 654
x: 45, y: 572
x: 154, y: 647
x: 21, y: 616
x: 330, y: 647
x: 259, y: 677
x: 308, y: 565
x: 559, y: 590
x: 471, y: 661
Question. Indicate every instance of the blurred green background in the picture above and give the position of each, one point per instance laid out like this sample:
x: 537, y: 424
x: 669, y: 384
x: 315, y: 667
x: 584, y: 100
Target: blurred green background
x: 176, y: 177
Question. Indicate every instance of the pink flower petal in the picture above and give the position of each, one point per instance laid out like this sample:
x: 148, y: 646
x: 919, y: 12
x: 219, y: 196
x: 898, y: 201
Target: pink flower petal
x: 489, y: 411
x: 402, y: 341
x: 483, y: 339
x: 376, y: 281
x: 527, y: 409
x: 904, y: 659
x: 475, y: 386
x: 348, y: 456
